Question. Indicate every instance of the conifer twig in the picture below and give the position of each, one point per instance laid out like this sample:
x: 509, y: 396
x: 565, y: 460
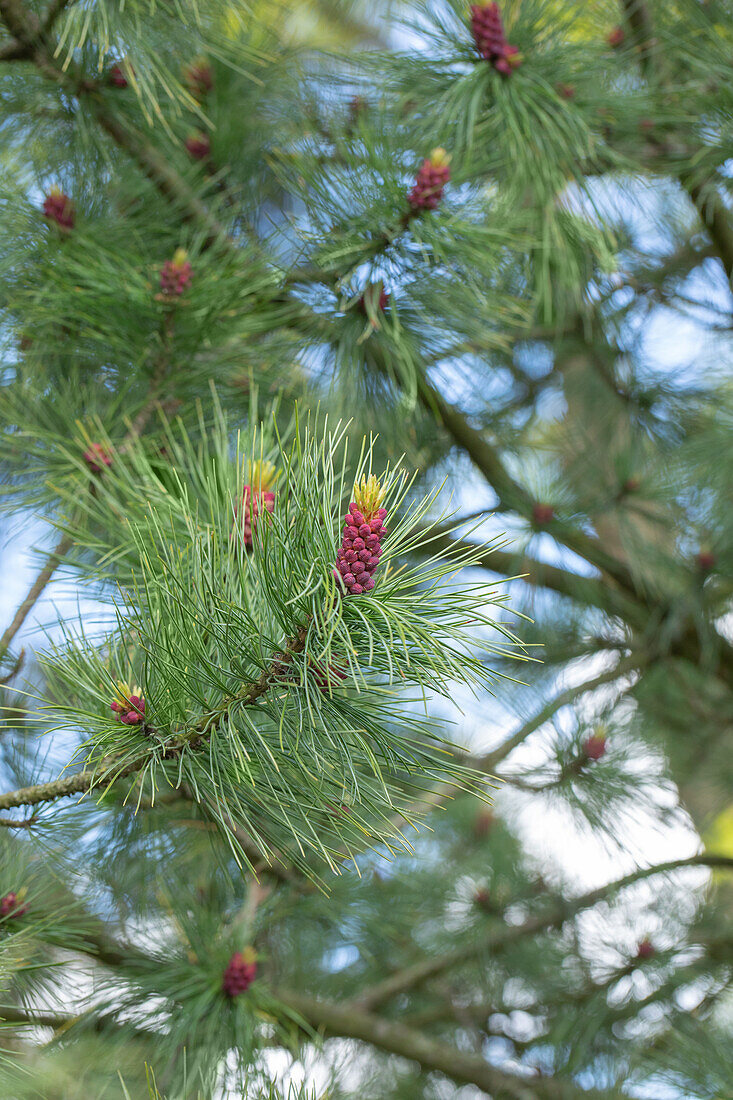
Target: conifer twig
x: 348, y: 1021
x: 66, y: 542
x: 33, y: 44
x: 713, y: 212
x: 36, y: 590
x: 11, y: 823
x: 84, y: 781
x: 623, y: 667
x: 578, y: 586
x: 61, y: 1022
x: 415, y: 975
x: 511, y: 494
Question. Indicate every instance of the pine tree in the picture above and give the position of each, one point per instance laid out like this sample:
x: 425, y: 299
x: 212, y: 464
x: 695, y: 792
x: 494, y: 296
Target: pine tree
x: 336, y: 367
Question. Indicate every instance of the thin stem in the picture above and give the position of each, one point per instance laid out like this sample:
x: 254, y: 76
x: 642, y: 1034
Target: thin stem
x: 511, y: 494
x: 36, y: 590
x: 432, y: 1054
x: 572, y: 694
x: 703, y: 193
x: 84, y: 781
x: 12, y: 823
x: 420, y: 972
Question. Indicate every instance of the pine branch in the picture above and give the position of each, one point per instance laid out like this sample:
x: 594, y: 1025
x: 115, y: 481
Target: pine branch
x: 512, y: 495
x: 590, y: 592
x: 10, y: 1014
x: 420, y: 972
x: 58, y: 788
x: 715, y: 216
x: 63, y: 1022
x: 274, y: 865
x: 431, y: 1054
x: 581, y: 589
x: 487, y: 763
x: 713, y: 212
x: 639, y: 20
x: 55, y: 9
x: 18, y: 664
x: 477, y: 1013
x: 84, y: 781
x: 35, y: 592
x: 66, y: 542
x: 33, y: 42
x: 12, y: 823
x: 160, y: 172
x: 565, y: 698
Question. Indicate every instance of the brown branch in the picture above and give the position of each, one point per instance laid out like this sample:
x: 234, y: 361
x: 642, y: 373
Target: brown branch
x: 431, y: 1054
x: 60, y: 1022
x: 713, y: 212
x: 84, y: 781
x: 488, y: 762
x: 273, y: 864
x: 623, y: 667
x: 578, y: 587
x: 60, y: 550
x: 511, y: 494
x: 12, y: 823
x: 55, y: 9
x: 138, y: 425
x: 716, y: 218
x: 35, y: 45
x: 496, y: 941
x: 10, y: 1014
x: 641, y: 27
x: 476, y: 1013
x: 160, y: 172
x: 15, y: 669
x: 13, y: 51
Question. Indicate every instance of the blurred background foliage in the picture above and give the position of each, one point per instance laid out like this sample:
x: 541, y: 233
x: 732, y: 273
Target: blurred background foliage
x: 555, y: 346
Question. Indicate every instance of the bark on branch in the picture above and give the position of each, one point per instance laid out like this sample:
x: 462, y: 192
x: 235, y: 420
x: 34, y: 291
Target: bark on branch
x: 704, y: 195
x: 85, y: 781
x: 431, y: 1054
x: 420, y: 972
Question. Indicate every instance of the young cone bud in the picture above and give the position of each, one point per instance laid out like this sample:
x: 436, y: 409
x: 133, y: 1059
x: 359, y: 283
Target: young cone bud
x: 241, y: 971
x: 328, y: 676
x: 176, y: 275
x: 198, y: 145
x: 432, y: 177
x: 58, y: 207
x: 616, y: 37
x: 117, y: 74
x: 199, y: 77
x: 257, y: 498
x: 482, y: 898
x: 487, y: 28
x: 595, y: 747
x: 375, y: 298
x: 361, y: 548
x: 358, y: 106
x: 128, y: 705
x: 542, y: 514
x: 10, y: 906
x: 484, y: 823
x: 645, y: 949
x: 97, y: 457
